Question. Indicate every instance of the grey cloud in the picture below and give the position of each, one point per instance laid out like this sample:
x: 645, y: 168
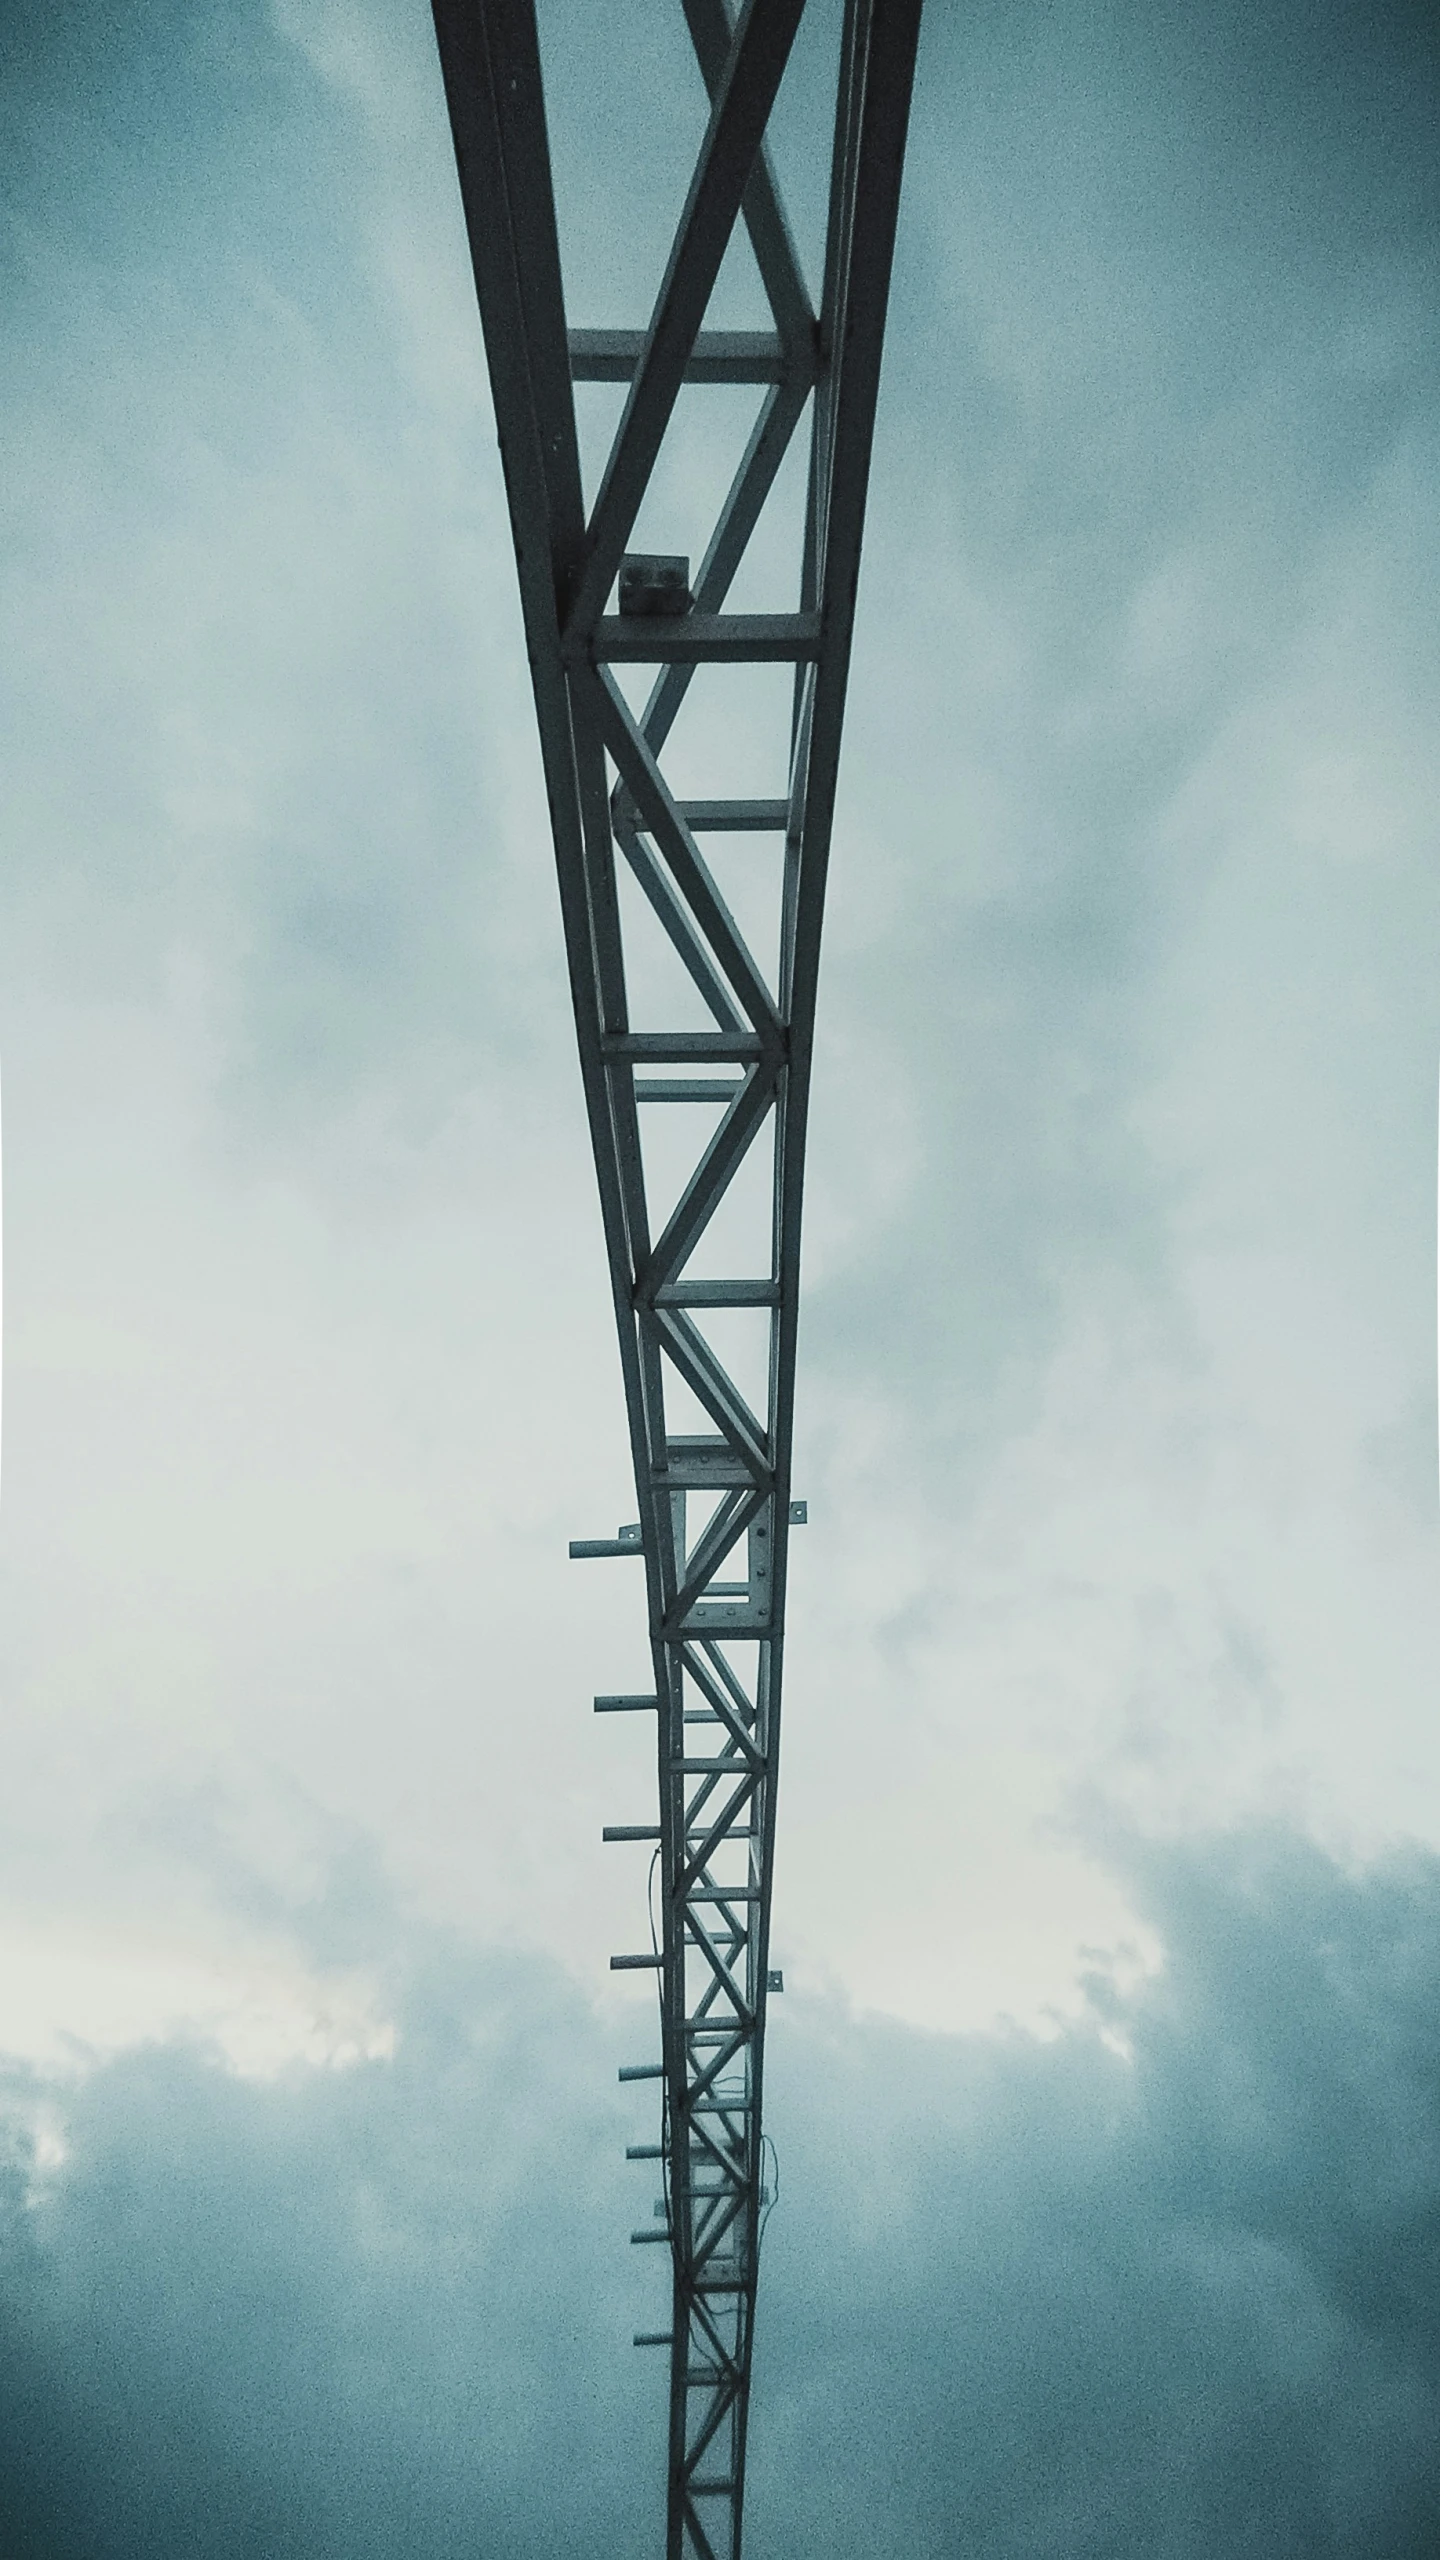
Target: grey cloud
x: 356, y: 2312
x: 255, y: 594
x: 1152, y: 523
x: 1178, y: 2306
x: 1164, y: 323
x: 1161, y: 315
x: 1021, y: 2299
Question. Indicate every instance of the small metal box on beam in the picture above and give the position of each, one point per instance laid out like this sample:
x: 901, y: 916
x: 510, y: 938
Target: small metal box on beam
x: 653, y: 582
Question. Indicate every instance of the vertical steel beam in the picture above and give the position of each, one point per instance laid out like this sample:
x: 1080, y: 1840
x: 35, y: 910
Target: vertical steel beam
x: 714, y: 1505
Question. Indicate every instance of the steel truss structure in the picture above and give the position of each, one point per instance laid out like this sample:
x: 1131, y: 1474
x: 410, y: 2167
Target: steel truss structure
x: 714, y: 1503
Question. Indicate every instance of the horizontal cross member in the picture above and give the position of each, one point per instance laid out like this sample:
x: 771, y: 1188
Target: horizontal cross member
x: 698, y: 639
x: 677, y: 1048
x: 717, y: 355
x: 736, y: 817
x: 685, y: 1089
x: 718, y: 1293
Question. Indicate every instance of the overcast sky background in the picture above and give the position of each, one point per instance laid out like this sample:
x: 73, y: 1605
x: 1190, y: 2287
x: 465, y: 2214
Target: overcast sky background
x: 1106, y: 2083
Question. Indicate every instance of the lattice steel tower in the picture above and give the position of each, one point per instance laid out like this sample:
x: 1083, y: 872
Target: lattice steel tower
x: 707, y: 1322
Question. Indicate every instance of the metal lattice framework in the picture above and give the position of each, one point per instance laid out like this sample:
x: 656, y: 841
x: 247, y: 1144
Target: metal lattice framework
x: 714, y: 1502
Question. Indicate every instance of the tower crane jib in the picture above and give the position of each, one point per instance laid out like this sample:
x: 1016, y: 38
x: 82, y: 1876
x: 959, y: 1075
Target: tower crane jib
x: 715, y: 1503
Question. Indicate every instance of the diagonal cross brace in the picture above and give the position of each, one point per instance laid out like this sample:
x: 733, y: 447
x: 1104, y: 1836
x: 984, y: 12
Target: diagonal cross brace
x: 758, y: 52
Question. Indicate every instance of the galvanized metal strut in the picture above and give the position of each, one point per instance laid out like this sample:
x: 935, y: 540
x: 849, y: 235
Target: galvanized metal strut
x: 707, y: 1324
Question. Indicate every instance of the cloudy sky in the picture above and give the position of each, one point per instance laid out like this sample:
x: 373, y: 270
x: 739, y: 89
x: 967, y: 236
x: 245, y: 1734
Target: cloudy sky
x: 1107, y: 2080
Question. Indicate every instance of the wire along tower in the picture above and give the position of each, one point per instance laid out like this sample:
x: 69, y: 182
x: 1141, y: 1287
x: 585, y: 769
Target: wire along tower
x: 701, y: 1209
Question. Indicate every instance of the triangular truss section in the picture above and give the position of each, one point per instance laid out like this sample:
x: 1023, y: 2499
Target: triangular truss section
x: 714, y: 1502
